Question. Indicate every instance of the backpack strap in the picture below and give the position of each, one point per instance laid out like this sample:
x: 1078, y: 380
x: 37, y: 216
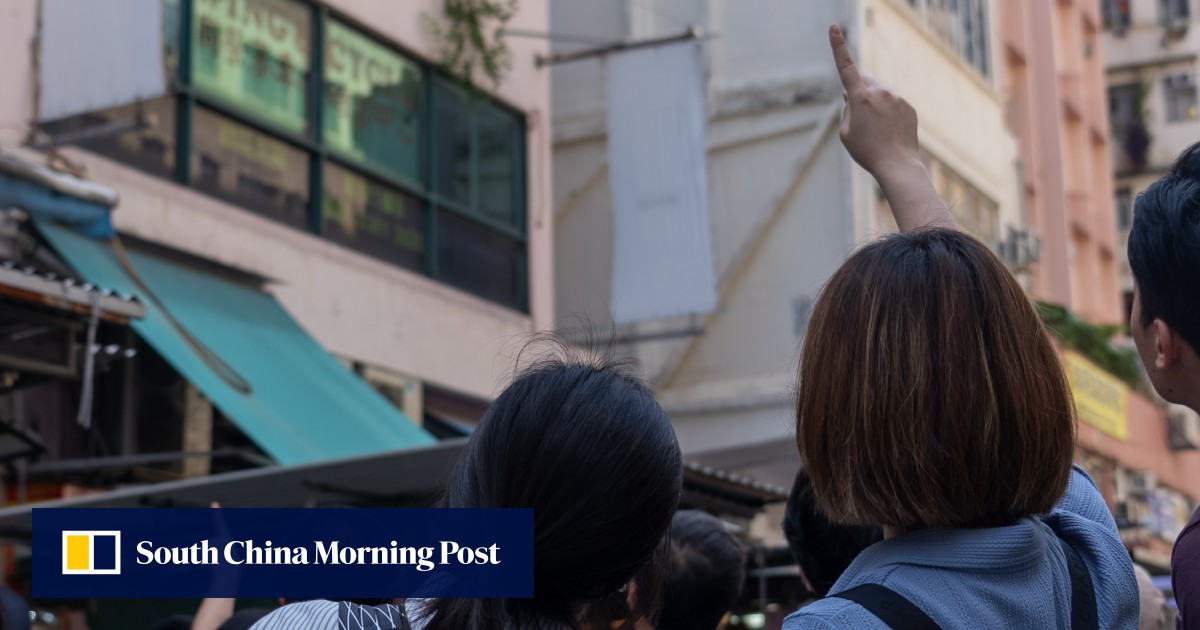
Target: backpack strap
x: 1083, y: 593
x: 892, y: 608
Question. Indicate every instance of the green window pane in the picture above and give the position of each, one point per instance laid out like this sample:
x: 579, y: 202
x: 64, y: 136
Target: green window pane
x: 254, y: 54
x: 250, y: 169
x: 372, y: 102
x: 478, y: 260
x: 498, y: 138
x: 374, y: 219
x: 451, y: 144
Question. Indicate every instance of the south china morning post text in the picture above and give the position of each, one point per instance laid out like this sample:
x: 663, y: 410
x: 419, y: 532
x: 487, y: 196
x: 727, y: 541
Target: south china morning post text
x: 295, y: 553
x: 239, y: 552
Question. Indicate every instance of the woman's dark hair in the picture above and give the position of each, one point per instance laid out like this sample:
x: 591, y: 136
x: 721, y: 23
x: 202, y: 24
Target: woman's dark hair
x: 1164, y: 248
x: 586, y: 446
x: 704, y: 575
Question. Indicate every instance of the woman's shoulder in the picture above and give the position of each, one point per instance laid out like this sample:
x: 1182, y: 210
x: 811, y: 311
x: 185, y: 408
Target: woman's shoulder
x: 830, y: 613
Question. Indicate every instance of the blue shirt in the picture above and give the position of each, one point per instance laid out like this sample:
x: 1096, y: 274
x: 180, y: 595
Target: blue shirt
x: 1001, y: 577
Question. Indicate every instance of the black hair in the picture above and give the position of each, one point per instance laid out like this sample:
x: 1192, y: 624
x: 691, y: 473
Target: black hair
x: 586, y: 446
x: 705, y: 573
x: 1164, y: 248
x: 174, y: 622
x: 823, y: 549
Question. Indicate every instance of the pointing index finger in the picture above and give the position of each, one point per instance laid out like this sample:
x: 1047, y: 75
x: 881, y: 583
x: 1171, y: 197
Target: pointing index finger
x: 847, y: 71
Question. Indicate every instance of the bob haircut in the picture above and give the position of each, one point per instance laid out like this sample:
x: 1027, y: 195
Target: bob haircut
x: 930, y: 395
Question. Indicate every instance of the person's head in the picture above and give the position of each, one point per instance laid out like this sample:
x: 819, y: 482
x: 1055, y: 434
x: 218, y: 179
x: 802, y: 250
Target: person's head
x: 704, y: 574
x: 1151, y: 599
x: 587, y: 447
x: 1164, y: 255
x: 823, y: 550
x: 930, y: 394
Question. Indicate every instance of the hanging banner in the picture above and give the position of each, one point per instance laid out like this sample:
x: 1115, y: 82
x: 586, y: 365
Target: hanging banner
x: 662, y: 251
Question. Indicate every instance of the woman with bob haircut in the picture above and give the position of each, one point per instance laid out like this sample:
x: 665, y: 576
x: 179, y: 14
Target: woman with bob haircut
x: 583, y: 443
x: 932, y: 402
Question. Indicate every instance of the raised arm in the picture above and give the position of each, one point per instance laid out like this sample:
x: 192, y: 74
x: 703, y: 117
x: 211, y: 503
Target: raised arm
x: 879, y: 130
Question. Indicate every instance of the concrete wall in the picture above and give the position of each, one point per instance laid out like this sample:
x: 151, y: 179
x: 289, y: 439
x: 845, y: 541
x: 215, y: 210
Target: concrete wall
x: 787, y: 203
x: 354, y: 305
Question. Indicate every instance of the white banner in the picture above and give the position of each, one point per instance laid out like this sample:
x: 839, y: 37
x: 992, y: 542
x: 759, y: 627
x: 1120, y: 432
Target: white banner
x: 662, y: 251
x: 98, y: 54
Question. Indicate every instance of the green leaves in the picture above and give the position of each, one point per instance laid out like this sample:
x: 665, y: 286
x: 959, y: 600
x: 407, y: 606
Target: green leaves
x: 471, y: 38
x: 1093, y: 342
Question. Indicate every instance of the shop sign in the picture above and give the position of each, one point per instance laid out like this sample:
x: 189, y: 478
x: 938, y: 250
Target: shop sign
x: 1101, y: 399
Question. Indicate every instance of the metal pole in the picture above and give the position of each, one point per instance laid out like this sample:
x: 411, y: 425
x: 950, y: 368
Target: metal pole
x: 692, y: 32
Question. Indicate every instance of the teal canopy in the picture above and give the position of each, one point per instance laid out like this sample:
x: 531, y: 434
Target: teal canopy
x: 250, y: 358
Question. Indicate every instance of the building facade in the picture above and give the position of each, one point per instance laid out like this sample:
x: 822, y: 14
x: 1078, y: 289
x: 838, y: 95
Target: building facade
x: 787, y: 203
x: 1150, y: 53
x: 1055, y: 84
x: 399, y: 216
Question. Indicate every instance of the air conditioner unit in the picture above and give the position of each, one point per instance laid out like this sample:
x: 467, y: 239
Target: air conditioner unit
x: 1141, y: 482
x: 1183, y: 428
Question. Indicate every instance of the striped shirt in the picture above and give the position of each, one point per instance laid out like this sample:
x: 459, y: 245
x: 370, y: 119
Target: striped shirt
x: 322, y: 614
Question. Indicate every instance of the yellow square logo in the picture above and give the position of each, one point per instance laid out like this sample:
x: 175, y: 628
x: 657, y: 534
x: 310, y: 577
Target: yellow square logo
x: 91, y: 553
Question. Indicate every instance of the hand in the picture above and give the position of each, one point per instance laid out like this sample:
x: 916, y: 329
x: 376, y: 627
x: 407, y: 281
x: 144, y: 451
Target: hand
x: 879, y: 128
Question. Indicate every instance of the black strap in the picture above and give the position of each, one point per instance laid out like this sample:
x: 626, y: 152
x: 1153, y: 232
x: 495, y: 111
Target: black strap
x: 898, y: 613
x: 1083, y: 593
x: 891, y: 607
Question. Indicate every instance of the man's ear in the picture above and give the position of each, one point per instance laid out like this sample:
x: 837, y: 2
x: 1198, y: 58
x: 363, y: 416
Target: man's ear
x: 1167, y: 345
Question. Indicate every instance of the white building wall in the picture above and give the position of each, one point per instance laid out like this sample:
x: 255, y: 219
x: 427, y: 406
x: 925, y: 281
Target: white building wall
x: 788, y: 205
x: 354, y: 305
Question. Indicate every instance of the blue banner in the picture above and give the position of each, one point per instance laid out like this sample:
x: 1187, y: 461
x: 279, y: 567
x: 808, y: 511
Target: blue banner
x: 333, y: 553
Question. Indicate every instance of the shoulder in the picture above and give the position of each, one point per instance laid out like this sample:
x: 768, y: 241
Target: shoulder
x: 310, y: 614
x: 1084, y: 500
x: 415, y: 609
x: 830, y: 613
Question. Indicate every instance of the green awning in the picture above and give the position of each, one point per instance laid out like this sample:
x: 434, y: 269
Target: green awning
x: 302, y: 405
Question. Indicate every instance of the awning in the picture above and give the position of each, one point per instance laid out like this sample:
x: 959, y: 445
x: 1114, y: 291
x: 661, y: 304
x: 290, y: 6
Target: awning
x: 408, y: 478
x: 290, y: 396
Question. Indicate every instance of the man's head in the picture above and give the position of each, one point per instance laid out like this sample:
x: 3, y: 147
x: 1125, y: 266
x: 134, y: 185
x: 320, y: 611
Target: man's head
x: 1164, y: 254
x: 705, y: 574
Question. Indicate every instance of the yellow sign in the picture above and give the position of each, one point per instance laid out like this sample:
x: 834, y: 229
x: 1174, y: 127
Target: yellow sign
x: 1101, y: 399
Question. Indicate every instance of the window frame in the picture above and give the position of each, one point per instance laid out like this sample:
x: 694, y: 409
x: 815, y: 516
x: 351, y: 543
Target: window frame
x: 1174, y: 86
x: 189, y: 96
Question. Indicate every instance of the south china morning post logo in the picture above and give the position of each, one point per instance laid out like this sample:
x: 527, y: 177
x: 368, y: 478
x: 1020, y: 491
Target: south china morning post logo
x: 297, y: 553
x: 91, y: 552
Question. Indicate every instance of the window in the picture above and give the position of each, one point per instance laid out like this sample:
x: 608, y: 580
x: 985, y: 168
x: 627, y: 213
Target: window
x: 1117, y: 15
x: 1180, y: 92
x: 479, y: 260
x: 1171, y: 12
x: 373, y: 103
x: 1122, y: 106
x: 302, y: 118
x: 963, y: 24
x: 249, y: 168
x: 142, y: 135
x: 255, y: 54
x: 374, y: 219
x: 1124, y: 203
